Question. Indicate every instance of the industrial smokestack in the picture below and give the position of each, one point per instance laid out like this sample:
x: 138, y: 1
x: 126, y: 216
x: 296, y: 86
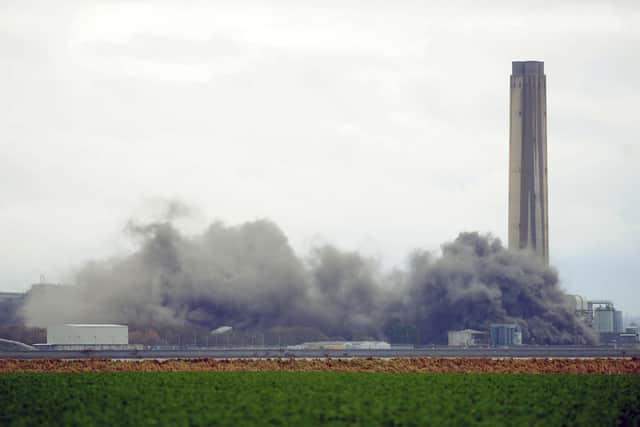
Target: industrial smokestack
x: 528, y: 194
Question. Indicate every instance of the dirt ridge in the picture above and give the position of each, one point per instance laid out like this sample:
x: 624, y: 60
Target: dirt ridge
x: 610, y: 366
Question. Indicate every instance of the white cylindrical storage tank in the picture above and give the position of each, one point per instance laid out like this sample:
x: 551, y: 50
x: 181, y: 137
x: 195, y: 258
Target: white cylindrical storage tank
x: 603, y: 320
x: 618, y: 327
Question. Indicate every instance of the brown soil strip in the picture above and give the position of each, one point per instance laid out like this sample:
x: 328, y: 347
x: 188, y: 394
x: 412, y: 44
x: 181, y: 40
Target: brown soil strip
x: 448, y: 365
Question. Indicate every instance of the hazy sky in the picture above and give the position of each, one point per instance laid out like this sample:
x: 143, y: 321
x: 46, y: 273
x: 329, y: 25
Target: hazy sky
x: 379, y: 126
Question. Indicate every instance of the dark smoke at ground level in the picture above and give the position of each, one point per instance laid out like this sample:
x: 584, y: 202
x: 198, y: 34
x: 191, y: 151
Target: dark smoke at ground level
x: 249, y: 277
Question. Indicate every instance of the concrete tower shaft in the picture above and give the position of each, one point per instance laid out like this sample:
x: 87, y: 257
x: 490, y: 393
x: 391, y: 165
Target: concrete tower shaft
x: 528, y: 193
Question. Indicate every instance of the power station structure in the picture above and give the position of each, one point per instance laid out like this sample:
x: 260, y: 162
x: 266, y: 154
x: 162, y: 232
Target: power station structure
x: 499, y: 334
x: 606, y: 321
x: 528, y: 189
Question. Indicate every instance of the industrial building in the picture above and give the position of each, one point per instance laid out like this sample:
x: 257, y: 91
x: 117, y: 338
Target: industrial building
x: 631, y: 335
x: 632, y: 329
x: 467, y: 338
x: 501, y: 334
x: 605, y: 320
x: 87, y: 334
x: 9, y: 304
x: 528, y: 194
x: 73, y: 336
x: 16, y: 297
x: 626, y: 338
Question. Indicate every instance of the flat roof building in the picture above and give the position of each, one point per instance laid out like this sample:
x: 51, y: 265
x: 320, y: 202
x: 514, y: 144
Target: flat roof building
x: 87, y: 334
x: 467, y: 338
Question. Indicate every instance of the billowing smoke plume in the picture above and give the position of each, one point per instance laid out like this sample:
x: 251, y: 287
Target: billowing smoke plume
x: 248, y: 276
x: 477, y: 282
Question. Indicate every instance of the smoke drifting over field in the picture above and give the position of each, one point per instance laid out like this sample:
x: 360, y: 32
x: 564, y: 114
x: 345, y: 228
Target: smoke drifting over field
x: 249, y: 277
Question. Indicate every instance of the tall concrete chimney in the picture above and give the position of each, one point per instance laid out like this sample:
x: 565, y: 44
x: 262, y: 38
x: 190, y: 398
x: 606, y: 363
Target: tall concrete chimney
x: 528, y: 194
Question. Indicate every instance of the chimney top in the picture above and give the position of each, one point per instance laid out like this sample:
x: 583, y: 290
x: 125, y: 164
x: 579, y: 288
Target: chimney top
x: 527, y: 67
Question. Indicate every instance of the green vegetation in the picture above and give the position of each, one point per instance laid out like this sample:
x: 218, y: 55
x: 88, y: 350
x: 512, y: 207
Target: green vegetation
x: 316, y: 398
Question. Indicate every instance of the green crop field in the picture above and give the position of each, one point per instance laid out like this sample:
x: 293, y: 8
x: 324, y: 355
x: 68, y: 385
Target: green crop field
x: 316, y: 398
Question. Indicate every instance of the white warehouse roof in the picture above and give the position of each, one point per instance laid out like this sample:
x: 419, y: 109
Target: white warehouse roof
x: 94, y: 325
x: 87, y: 334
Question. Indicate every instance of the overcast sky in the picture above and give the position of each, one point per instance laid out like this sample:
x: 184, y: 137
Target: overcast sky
x: 378, y: 126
